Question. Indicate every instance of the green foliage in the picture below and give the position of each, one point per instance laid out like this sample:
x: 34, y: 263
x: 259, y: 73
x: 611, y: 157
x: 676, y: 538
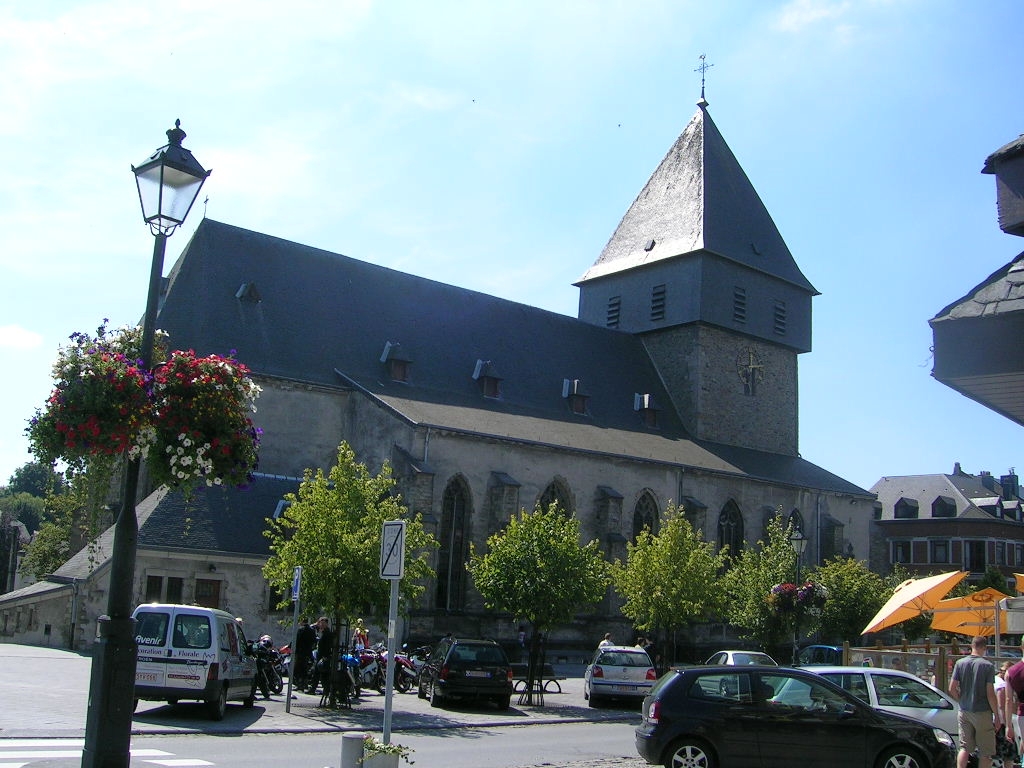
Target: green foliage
x: 750, y: 578
x: 332, y: 528
x: 536, y: 569
x: 35, y: 479
x: 670, y: 579
x: 73, y: 519
x: 24, y: 507
x: 854, y: 596
x: 992, y: 577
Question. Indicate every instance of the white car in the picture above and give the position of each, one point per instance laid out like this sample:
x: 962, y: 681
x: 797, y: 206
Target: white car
x: 740, y: 658
x: 893, y: 690
x: 618, y: 672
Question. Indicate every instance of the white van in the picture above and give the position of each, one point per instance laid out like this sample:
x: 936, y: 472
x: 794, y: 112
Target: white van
x: 193, y: 653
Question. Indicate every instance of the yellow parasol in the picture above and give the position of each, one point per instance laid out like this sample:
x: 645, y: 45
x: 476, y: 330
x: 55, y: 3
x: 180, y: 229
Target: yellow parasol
x: 1019, y: 579
x: 913, y: 597
x: 972, y: 614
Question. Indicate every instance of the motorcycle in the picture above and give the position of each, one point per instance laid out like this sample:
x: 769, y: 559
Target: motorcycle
x: 417, y: 659
x: 267, y: 679
x: 406, y: 674
x: 284, y: 660
x: 371, y: 669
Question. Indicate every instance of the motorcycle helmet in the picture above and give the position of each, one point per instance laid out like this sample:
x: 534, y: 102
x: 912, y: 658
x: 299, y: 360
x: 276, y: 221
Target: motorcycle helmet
x: 266, y: 642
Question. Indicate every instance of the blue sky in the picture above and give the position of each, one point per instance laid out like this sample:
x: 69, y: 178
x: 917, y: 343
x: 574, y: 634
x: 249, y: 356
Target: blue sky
x: 495, y: 146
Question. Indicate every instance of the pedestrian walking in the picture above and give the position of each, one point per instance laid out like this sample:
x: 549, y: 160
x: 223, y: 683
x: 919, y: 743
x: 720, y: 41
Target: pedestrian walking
x: 973, y: 686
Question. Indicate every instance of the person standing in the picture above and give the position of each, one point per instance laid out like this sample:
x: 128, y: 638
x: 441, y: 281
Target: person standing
x: 972, y: 685
x: 606, y: 640
x: 324, y: 651
x: 1013, y: 714
x: 305, y: 639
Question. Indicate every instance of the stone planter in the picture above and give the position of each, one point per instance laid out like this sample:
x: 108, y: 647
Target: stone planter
x: 380, y: 761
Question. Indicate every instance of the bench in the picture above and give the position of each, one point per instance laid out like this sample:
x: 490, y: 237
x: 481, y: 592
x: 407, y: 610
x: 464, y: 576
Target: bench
x: 550, y: 681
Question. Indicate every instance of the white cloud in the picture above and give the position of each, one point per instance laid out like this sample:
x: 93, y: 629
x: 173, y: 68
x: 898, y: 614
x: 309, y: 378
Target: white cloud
x: 16, y: 337
x: 799, y: 14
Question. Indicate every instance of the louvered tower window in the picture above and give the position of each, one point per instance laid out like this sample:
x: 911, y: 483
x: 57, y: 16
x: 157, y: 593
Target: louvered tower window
x: 658, y: 302
x: 739, y: 304
x: 614, y: 308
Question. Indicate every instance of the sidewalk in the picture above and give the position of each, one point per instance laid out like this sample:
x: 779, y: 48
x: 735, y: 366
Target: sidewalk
x: 51, y: 688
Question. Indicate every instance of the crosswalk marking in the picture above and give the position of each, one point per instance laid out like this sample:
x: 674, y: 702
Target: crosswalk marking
x: 18, y: 753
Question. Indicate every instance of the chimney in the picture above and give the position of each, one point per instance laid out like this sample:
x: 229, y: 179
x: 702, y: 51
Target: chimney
x: 956, y: 468
x: 988, y: 481
x: 1011, y: 486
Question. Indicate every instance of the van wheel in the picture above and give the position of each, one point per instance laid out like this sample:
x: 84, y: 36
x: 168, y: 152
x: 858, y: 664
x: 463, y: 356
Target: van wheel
x: 172, y: 702
x: 216, y: 707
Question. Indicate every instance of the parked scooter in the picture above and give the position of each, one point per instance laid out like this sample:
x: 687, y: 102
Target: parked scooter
x: 371, y: 669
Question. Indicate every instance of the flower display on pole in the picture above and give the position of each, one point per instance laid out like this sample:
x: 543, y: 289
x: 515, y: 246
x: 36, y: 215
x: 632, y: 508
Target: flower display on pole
x: 791, y: 600
x: 189, y: 416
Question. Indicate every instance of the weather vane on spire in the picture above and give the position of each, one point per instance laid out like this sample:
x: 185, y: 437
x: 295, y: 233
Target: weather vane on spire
x: 703, y: 68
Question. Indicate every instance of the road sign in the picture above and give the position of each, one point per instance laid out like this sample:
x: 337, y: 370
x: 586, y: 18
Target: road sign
x: 296, y: 582
x: 392, y: 550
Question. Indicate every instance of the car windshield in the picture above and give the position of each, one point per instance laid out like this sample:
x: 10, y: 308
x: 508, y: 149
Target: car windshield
x: 480, y: 654
x: 753, y: 658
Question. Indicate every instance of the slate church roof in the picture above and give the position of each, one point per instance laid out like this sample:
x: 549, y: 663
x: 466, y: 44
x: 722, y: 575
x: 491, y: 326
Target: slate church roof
x: 699, y: 198
x: 308, y: 315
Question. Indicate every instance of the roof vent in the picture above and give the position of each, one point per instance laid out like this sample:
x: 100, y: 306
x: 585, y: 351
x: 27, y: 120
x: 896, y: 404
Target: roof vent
x: 248, y: 292
x: 650, y: 245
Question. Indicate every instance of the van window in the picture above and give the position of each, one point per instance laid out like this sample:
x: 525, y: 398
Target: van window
x: 191, y: 631
x: 151, y: 628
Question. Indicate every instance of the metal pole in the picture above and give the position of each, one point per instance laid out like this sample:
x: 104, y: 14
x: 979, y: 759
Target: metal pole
x: 392, y: 661
x: 796, y: 614
x: 108, y: 723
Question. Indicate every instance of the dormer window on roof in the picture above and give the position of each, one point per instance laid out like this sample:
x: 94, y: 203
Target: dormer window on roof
x: 572, y: 391
x: 397, y: 361
x: 645, y: 406
x: 487, y: 376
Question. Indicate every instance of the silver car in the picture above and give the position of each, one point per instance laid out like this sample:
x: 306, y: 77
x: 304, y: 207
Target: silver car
x: 618, y: 672
x: 893, y: 690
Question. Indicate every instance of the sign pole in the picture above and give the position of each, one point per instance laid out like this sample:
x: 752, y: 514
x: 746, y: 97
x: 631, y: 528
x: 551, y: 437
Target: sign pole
x: 296, y: 588
x: 392, y: 566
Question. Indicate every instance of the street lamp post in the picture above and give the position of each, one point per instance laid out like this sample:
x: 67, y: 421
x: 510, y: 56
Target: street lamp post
x: 799, y: 543
x: 168, y: 182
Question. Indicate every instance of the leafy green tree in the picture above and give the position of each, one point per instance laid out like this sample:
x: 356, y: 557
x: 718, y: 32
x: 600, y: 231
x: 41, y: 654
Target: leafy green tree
x: 51, y: 546
x: 854, y: 596
x: 749, y: 580
x: 36, y: 479
x: 23, y: 506
x: 332, y: 528
x: 670, y: 579
x: 537, y: 569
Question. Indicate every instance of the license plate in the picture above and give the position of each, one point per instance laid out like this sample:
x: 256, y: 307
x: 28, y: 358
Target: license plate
x: 623, y: 688
x: 146, y: 677
x: 477, y: 673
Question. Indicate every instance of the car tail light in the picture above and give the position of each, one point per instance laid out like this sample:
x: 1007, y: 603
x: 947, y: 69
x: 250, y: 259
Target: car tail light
x: 651, y: 674
x: 213, y: 671
x: 598, y: 672
x: 509, y: 673
x: 443, y: 673
x: 654, y: 711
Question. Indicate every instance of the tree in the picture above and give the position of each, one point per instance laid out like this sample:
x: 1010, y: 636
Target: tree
x: 332, y: 528
x: 670, y: 579
x: 854, y: 595
x: 537, y: 570
x: 749, y: 580
x: 24, y: 507
x: 36, y: 479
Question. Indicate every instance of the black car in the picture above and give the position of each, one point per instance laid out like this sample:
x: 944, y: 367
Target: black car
x: 466, y: 669
x: 775, y: 717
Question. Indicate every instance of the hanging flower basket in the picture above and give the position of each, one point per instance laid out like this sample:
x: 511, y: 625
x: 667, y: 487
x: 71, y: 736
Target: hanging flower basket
x: 204, y: 435
x: 189, y: 418
x: 788, y: 600
x: 100, y: 405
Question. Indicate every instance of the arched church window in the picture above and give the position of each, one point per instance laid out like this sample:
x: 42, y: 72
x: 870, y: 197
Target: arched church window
x: 451, y: 561
x: 795, y: 521
x: 556, y: 493
x: 645, y: 514
x: 730, y: 529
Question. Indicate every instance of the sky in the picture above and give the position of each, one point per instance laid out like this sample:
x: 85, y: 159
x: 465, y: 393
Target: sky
x: 496, y: 146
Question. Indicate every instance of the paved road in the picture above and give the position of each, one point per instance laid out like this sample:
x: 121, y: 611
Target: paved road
x: 45, y: 693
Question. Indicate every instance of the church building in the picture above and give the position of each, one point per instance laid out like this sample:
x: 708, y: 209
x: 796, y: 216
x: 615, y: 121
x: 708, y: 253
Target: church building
x: 676, y: 384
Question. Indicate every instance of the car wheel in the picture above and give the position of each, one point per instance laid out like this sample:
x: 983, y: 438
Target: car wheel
x: 689, y: 753
x: 216, y: 707
x: 900, y: 757
x: 503, y: 702
x: 435, y: 697
x: 595, y: 702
